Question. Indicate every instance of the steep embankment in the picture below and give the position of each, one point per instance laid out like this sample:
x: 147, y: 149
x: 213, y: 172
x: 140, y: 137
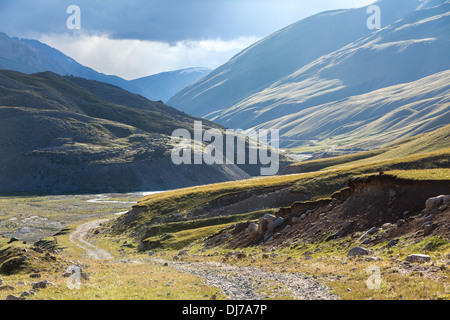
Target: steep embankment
x: 71, y: 135
x: 378, y: 202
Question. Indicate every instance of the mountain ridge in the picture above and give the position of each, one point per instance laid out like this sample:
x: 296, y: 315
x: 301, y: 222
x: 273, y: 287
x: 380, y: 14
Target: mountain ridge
x: 68, y: 135
x: 32, y: 56
x: 411, y: 45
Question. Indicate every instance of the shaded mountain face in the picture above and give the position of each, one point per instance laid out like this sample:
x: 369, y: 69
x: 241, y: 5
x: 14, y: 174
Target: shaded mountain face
x: 320, y: 68
x: 31, y: 56
x: 163, y: 86
x: 72, y: 135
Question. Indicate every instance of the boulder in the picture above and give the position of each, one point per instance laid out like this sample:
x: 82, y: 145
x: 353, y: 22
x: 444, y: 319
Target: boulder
x: 275, y: 224
x: 262, y: 226
x: 269, y: 218
x: 357, y: 251
x: 433, y: 203
x: 392, y: 243
x: 252, y: 229
x: 419, y: 258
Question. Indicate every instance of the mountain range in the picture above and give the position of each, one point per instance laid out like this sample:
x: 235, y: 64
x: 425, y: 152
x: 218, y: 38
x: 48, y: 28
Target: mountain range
x: 32, y: 56
x: 328, y: 81
x: 62, y: 135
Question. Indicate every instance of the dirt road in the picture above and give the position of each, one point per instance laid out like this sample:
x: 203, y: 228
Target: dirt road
x: 237, y: 283
x: 78, y: 237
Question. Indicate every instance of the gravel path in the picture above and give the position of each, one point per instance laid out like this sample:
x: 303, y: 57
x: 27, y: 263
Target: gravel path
x: 238, y: 283
x: 78, y: 237
x: 253, y: 283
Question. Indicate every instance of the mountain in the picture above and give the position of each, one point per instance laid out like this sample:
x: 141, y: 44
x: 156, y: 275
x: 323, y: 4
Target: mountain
x: 330, y: 62
x: 32, y: 56
x: 163, y: 86
x: 71, y: 135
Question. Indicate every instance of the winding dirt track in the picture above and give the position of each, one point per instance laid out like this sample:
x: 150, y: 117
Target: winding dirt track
x: 78, y: 237
x: 237, y: 283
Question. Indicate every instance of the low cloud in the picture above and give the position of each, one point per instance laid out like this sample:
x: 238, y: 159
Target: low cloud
x: 131, y: 59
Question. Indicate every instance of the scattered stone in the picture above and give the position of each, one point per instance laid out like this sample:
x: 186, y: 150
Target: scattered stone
x: 13, y: 240
x: 151, y: 253
x: 372, y: 258
x: 12, y: 298
x: 1, y: 282
x: 392, y: 243
x: 35, y: 275
x: 27, y: 294
x: 400, y: 223
x: 41, y: 284
x: 296, y: 220
x: 429, y: 218
x: 357, y: 251
x: 241, y: 255
x: 419, y: 258
x: 443, y: 207
x: 428, y: 229
x: 38, y: 250
x: 7, y: 288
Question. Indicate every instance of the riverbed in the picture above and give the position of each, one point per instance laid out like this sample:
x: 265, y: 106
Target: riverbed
x: 31, y: 218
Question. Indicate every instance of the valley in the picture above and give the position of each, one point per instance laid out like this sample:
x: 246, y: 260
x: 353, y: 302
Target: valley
x: 346, y: 232
x: 167, y: 187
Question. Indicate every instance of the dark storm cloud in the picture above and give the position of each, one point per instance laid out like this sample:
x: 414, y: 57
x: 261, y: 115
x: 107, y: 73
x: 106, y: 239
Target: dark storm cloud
x: 160, y: 20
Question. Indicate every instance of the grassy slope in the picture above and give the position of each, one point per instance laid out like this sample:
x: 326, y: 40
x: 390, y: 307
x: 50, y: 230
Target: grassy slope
x: 424, y: 157
x: 424, y: 143
x: 48, y: 91
x: 316, y: 185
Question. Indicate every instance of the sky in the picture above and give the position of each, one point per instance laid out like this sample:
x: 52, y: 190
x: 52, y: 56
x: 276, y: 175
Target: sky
x: 137, y: 38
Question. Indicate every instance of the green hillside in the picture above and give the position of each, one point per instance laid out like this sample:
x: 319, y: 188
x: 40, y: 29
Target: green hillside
x: 425, y: 143
x: 71, y: 135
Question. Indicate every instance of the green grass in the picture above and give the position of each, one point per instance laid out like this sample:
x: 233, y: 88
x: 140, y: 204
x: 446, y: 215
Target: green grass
x: 315, y: 185
x: 177, y: 235
x: 427, y: 143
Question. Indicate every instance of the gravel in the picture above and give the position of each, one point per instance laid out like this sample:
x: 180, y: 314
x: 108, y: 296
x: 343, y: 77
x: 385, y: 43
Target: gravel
x: 253, y: 283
